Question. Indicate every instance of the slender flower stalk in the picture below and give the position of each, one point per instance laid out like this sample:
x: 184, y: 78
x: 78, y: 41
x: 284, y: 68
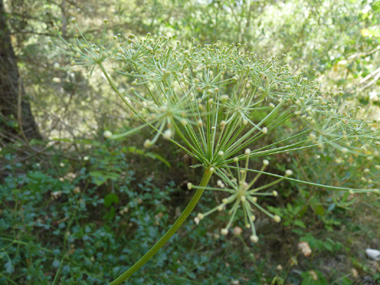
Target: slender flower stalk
x: 205, y: 179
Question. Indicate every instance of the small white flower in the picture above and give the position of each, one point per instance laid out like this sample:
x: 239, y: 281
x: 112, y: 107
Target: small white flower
x: 224, y: 232
x: 167, y: 134
x: 305, y: 248
x: 224, y: 97
x: 56, y: 194
x: 237, y: 231
x: 312, y: 136
x: 147, y: 144
x: 107, y: 134
x: 184, y: 122
x: 288, y: 172
x: 277, y: 219
x: 254, y: 238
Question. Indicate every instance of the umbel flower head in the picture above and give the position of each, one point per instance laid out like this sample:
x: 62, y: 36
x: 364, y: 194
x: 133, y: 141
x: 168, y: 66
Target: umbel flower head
x: 243, y: 195
x: 215, y: 101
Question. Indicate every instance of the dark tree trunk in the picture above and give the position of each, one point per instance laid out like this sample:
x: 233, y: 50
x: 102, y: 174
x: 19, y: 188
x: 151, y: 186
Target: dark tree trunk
x: 14, y: 106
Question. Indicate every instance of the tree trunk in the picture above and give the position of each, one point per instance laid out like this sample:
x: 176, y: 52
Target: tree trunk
x: 16, y: 118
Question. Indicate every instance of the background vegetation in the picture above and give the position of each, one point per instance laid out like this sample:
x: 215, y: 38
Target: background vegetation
x: 76, y: 208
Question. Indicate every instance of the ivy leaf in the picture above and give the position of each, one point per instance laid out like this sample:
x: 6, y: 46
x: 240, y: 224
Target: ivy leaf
x: 110, y: 199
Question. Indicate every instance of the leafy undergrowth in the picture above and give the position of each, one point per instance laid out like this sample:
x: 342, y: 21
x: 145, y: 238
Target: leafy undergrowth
x: 86, y: 221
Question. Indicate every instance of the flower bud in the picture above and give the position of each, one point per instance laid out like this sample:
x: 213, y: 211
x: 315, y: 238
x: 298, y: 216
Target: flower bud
x: 107, y: 134
x: 224, y: 98
x: 147, y: 144
x: 288, y: 172
x: 167, y: 134
x: 254, y: 238
x: 184, y: 122
x: 277, y: 219
x: 237, y: 231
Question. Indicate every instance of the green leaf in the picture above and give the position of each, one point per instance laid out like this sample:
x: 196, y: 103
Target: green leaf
x: 9, y: 267
x: 319, y: 210
x: 328, y: 246
x: 110, y: 214
x: 100, y: 177
x: 110, y: 199
x: 300, y: 224
x: 376, y: 6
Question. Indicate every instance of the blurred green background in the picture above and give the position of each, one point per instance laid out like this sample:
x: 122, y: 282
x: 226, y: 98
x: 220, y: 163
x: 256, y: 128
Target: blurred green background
x: 76, y: 208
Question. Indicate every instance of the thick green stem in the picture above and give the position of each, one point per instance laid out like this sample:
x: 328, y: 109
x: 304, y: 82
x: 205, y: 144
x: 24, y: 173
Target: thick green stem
x: 205, y: 179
